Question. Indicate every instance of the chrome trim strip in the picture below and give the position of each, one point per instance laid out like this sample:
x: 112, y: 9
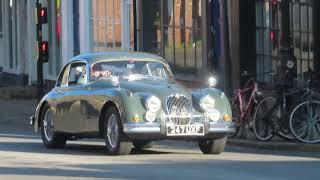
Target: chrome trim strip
x: 221, y: 127
x: 141, y: 128
x: 183, y: 116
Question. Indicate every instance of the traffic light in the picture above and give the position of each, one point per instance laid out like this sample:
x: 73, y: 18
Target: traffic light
x: 42, y: 15
x: 43, y: 46
x: 43, y: 49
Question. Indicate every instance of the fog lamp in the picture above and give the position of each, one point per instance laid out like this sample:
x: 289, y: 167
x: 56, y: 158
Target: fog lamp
x: 214, y: 115
x: 227, y: 117
x: 150, y: 116
x: 136, y: 118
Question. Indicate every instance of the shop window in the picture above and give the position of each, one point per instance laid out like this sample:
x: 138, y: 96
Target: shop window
x: 301, y: 25
x: 182, y: 39
x: 267, y: 38
x: 105, y: 25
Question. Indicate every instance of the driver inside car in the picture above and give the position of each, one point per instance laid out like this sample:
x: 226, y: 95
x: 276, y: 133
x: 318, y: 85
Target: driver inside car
x: 98, y: 72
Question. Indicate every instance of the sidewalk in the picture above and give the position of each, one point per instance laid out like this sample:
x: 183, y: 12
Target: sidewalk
x: 18, y: 92
x: 275, y: 145
x: 16, y: 113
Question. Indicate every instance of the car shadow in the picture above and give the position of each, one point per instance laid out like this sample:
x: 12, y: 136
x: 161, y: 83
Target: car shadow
x: 33, y: 144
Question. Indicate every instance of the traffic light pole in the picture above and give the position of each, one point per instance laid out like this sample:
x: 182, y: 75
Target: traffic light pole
x: 39, y: 63
x: 39, y: 80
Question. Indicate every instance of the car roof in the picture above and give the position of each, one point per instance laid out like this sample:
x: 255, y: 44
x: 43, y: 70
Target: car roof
x: 94, y: 57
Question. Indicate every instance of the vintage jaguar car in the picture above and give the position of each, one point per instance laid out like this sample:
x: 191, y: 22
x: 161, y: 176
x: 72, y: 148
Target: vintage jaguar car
x: 130, y: 99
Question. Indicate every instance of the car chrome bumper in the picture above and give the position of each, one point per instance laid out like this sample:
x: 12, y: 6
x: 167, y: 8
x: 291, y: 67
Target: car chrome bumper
x: 221, y: 127
x: 155, y: 128
x: 141, y: 128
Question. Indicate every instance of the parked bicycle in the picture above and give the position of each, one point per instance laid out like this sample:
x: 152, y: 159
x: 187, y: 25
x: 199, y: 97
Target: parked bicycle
x: 273, y: 113
x: 305, y: 117
x: 243, y: 103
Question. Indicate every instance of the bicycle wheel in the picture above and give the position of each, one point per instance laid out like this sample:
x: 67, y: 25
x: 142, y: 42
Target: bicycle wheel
x: 284, y: 131
x: 305, y: 121
x: 256, y: 102
x: 265, y: 118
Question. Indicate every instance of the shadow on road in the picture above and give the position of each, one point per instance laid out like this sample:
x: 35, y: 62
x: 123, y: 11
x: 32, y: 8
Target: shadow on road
x: 219, y: 169
x: 24, y: 142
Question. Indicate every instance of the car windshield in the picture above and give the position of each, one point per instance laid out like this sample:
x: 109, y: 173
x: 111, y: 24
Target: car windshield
x: 129, y: 69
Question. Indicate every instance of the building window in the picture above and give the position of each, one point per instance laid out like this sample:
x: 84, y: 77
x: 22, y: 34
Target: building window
x: 301, y: 25
x: 182, y: 40
x: 267, y: 38
x: 105, y: 24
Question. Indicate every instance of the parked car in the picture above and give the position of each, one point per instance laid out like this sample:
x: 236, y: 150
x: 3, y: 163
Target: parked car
x: 130, y: 99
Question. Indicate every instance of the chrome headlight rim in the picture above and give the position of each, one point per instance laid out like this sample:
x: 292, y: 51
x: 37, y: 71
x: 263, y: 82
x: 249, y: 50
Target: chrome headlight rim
x: 210, y: 102
x: 153, y: 103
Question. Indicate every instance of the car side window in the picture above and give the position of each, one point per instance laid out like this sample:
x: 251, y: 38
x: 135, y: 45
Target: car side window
x: 78, y: 74
x: 63, y: 78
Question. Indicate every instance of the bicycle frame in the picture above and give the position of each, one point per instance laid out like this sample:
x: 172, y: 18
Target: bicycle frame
x: 244, y: 111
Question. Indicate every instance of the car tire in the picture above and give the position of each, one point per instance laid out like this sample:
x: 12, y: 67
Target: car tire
x: 212, y: 146
x: 50, y: 138
x: 142, y: 144
x: 117, y: 143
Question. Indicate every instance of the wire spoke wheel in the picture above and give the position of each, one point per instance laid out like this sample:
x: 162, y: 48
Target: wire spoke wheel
x: 266, y: 118
x: 48, y: 125
x: 113, y: 131
x: 305, y: 122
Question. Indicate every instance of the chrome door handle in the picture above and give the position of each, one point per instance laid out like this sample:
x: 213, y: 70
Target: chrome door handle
x: 60, y: 92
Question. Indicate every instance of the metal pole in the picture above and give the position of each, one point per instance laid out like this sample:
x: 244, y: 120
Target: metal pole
x: 227, y: 63
x: 39, y: 63
x: 135, y: 25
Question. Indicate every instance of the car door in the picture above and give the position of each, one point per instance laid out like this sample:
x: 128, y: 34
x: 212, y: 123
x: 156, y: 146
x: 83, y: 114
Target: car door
x: 59, y: 105
x: 73, y: 97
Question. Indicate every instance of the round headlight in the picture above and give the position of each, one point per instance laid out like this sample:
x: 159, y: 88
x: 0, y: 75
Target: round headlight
x: 207, y: 103
x: 153, y: 103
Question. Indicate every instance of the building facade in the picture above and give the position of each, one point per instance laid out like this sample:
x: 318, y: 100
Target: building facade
x: 174, y: 29
x: 196, y: 37
x: 284, y: 30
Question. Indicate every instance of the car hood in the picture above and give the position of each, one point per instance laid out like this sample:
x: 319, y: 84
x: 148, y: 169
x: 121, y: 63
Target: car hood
x: 157, y: 87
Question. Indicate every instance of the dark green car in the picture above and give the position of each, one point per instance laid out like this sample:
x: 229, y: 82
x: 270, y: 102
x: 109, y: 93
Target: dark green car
x: 130, y: 99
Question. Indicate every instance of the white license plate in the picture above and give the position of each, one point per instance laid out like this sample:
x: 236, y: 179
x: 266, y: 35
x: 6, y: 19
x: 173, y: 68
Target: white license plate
x: 185, y: 130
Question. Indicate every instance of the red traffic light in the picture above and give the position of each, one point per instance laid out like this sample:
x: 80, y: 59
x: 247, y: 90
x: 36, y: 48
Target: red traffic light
x: 42, y: 15
x: 43, y: 47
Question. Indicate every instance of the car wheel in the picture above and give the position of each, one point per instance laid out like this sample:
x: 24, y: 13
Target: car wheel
x: 116, y: 141
x: 142, y: 144
x: 50, y: 138
x: 212, y: 146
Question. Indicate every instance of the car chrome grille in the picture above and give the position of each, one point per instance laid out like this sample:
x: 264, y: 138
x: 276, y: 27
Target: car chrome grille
x: 178, y: 109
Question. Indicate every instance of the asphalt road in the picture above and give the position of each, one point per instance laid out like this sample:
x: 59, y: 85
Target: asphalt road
x: 22, y: 156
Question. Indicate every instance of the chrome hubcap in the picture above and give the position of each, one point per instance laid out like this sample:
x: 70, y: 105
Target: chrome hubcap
x: 48, y: 125
x: 113, y: 131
